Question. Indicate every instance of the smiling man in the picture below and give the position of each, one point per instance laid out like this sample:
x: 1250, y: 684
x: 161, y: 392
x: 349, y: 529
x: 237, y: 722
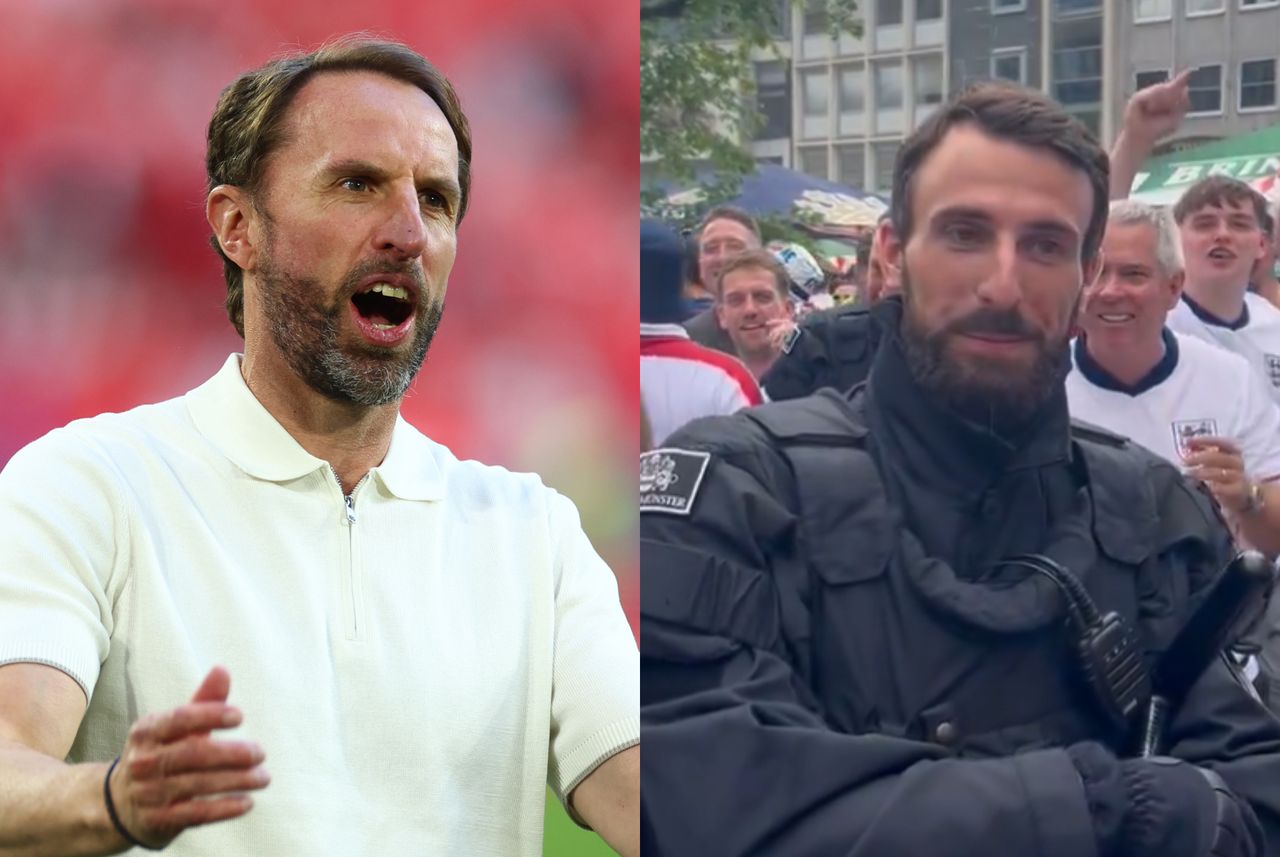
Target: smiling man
x: 420, y: 645
x: 754, y: 308
x: 1220, y: 220
x: 1196, y: 405
x: 844, y: 650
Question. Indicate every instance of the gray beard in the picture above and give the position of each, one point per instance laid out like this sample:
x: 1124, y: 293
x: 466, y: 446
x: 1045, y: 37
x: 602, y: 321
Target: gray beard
x: 306, y: 333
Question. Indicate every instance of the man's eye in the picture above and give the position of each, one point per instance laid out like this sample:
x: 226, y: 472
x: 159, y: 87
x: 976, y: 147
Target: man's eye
x: 1046, y: 247
x: 432, y: 199
x: 356, y: 184
x: 960, y: 233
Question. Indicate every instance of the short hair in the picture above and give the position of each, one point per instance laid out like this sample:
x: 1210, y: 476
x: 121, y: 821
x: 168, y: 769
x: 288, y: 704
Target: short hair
x: 248, y: 122
x: 757, y: 258
x: 729, y: 212
x: 1168, y: 247
x: 1014, y: 113
x: 1220, y: 191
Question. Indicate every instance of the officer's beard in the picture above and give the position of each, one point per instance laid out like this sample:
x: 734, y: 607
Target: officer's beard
x: 987, y: 394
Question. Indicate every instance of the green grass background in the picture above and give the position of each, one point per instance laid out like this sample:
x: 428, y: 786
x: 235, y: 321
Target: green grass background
x: 563, y: 838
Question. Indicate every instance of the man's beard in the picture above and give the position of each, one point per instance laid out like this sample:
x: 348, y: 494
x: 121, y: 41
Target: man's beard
x: 1001, y: 401
x: 306, y: 331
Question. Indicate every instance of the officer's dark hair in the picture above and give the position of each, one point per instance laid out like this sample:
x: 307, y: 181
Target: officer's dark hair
x: 757, y: 258
x: 1221, y: 191
x: 729, y: 212
x: 1019, y: 115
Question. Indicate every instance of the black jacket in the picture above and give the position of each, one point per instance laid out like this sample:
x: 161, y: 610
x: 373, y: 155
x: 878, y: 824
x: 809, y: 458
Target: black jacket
x: 830, y: 665
x: 833, y: 349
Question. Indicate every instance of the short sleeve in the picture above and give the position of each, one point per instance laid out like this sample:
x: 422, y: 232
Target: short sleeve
x: 64, y: 530
x: 1260, y: 434
x: 595, y: 696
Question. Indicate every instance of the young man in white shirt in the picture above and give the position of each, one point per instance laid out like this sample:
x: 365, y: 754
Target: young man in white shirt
x: 1197, y: 405
x: 1220, y: 221
x: 420, y: 644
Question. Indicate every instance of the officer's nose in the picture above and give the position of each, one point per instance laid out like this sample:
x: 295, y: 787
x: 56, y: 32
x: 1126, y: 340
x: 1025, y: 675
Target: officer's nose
x: 1002, y: 288
x: 401, y: 231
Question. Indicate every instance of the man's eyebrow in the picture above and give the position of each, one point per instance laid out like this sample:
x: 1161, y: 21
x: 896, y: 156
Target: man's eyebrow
x: 964, y: 212
x: 446, y: 184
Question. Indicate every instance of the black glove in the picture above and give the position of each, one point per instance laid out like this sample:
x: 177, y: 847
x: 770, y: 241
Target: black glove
x: 1163, y: 806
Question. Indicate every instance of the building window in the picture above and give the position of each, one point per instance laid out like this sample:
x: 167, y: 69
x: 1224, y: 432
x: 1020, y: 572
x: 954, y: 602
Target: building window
x: 852, y: 166
x: 1143, y: 79
x: 1205, y: 89
x: 1205, y: 7
x: 885, y: 154
x: 813, y: 161
x: 926, y: 82
x: 928, y: 10
x: 816, y: 20
x: 889, y: 86
x: 1009, y: 64
x: 1152, y: 10
x: 773, y: 100
x: 1077, y: 74
x: 1257, y: 4
x: 1076, y: 7
x: 817, y: 87
x: 999, y: 7
x: 853, y: 81
x: 888, y: 13
x: 1257, y: 84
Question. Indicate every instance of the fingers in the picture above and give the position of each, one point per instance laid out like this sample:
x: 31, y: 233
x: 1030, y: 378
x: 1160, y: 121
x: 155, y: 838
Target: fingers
x: 1211, y: 442
x: 184, y: 787
x: 215, y: 687
x: 171, y: 820
x: 193, y: 718
x: 195, y: 754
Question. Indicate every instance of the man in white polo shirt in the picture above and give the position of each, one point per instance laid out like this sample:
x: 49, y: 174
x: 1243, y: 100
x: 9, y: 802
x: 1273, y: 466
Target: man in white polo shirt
x: 419, y: 644
x: 1195, y: 404
x: 1220, y: 222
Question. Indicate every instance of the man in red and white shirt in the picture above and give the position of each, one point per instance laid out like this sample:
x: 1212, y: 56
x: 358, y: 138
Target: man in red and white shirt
x: 679, y: 379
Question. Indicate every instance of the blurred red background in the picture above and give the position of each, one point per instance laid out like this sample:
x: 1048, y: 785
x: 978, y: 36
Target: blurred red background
x: 111, y: 297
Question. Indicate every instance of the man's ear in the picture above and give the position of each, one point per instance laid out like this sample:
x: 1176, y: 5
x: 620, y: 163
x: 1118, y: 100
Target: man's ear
x: 231, y: 214
x: 887, y: 248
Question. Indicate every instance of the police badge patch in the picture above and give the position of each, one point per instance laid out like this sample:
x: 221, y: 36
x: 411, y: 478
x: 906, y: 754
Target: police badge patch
x: 789, y: 341
x: 670, y: 478
x: 1273, y: 368
x: 1184, y: 430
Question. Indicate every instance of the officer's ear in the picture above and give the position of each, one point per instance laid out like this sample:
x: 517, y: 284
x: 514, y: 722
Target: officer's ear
x: 887, y: 248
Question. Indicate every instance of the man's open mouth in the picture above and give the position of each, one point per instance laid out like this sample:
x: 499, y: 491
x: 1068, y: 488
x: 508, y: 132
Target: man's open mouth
x: 384, y: 306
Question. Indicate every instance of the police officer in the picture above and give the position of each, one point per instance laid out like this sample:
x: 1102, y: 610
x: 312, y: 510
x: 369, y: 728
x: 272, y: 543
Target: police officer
x: 832, y: 347
x: 845, y: 649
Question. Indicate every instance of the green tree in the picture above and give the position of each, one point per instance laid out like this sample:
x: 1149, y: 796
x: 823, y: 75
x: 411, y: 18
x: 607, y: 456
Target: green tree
x: 697, y: 90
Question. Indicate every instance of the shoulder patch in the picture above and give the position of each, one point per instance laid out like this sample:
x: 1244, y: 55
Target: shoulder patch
x: 789, y: 341
x: 670, y: 478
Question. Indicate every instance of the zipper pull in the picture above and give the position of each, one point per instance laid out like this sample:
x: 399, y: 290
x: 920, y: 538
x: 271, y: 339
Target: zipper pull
x: 351, y: 509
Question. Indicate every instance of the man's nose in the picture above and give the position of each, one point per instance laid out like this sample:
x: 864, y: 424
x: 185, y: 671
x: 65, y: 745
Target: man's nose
x: 1002, y: 287
x: 402, y: 231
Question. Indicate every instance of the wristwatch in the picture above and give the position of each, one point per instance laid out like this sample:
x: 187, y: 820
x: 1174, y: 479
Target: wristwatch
x: 1254, y: 503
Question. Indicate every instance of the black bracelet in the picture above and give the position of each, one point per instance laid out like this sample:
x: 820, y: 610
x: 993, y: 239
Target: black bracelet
x: 111, y: 811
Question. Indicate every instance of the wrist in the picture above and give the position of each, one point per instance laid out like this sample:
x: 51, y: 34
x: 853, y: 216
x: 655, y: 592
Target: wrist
x: 1253, y: 499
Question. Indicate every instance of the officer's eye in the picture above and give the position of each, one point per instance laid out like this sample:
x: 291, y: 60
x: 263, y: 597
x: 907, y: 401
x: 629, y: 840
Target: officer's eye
x: 356, y: 184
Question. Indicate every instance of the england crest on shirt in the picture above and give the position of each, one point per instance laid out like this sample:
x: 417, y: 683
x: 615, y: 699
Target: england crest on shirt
x: 1184, y: 430
x: 1273, y: 368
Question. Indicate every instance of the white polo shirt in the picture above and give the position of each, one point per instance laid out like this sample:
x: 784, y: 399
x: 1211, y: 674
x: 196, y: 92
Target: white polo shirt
x: 1196, y: 389
x: 1255, y: 335
x: 417, y: 670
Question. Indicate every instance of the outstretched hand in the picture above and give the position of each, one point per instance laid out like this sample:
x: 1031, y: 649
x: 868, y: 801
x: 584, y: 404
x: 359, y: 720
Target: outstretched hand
x: 172, y: 775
